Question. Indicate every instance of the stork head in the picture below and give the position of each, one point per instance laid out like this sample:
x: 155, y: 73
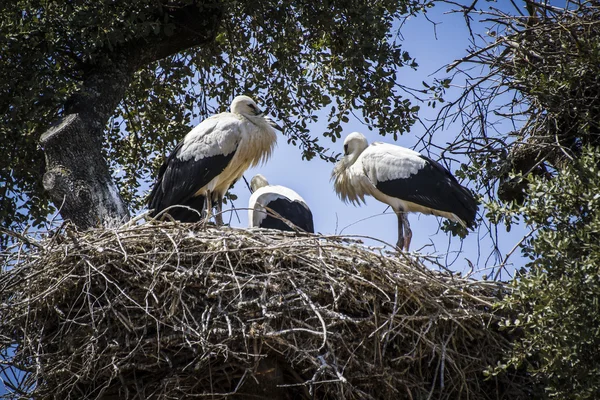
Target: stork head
x: 247, y: 107
x: 354, y: 144
x: 257, y: 182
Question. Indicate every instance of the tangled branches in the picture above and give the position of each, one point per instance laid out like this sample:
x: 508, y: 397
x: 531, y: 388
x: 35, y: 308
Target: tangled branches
x: 531, y: 96
x: 171, y: 311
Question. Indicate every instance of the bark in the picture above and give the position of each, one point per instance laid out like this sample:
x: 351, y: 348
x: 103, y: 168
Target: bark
x: 77, y: 175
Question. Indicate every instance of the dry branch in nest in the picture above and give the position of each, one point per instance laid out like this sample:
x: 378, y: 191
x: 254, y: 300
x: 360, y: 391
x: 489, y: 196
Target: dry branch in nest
x: 172, y: 311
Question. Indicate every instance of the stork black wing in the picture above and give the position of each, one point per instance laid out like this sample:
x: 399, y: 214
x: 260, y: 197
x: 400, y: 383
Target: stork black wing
x: 433, y: 186
x: 293, y: 211
x: 179, y: 180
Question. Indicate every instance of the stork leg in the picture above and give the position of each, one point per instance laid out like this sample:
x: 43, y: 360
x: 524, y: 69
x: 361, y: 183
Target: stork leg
x: 219, y: 214
x: 404, y: 232
x: 208, y: 205
x: 407, y: 231
x: 400, y: 243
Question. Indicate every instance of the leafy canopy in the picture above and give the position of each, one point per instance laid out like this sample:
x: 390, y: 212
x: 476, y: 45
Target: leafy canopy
x: 557, y: 302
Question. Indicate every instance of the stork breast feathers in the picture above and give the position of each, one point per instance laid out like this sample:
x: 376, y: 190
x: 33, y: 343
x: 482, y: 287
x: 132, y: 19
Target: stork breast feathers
x: 350, y: 183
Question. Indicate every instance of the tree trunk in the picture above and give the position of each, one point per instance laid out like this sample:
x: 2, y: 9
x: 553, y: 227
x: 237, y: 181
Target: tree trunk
x: 77, y: 175
x: 78, y: 178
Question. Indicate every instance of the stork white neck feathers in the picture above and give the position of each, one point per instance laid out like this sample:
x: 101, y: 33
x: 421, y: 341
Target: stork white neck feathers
x: 347, y: 177
x: 255, y: 138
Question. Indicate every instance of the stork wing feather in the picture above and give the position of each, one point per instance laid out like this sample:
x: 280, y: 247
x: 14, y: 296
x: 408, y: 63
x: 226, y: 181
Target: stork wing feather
x: 410, y: 176
x: 182, y: 179
x: 217, y: 135
x: 155, y: 199
x: 283, y: 201
x: 294, y: 211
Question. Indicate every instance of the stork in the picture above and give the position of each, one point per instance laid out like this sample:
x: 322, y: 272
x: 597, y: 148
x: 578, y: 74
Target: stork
x: 210, y: 158
x: 270, y: 204
x: 405, y: 180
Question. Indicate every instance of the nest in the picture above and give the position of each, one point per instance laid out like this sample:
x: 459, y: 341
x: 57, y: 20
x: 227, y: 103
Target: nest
x: 172, y: 311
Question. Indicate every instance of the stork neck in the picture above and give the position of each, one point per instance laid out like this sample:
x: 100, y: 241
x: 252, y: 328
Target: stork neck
x: 257, y: 120
x: 352, y: 157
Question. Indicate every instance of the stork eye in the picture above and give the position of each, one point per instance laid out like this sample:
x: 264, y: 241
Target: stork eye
x: 254, y: 108
x: 346, y: 149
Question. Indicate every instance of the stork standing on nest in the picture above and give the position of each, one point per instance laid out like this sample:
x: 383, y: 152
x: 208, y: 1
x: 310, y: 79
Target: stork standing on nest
x: 211, y: 157
x: 405, y: 180
x: 269, y: 205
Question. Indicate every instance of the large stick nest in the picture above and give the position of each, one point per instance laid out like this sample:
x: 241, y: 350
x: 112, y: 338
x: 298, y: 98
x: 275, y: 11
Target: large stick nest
x: 171, y: 311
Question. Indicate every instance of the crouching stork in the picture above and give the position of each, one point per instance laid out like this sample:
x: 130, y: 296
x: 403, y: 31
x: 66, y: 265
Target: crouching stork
x: 211, y: 157
x: 271, y: 205
x: 405, y: 180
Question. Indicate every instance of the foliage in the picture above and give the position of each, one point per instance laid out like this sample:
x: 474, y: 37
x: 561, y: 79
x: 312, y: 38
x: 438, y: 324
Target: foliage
x: 301, y: 59
x: 558, y: 298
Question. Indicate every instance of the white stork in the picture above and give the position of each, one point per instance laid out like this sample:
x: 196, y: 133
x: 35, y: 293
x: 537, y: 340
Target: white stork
x: 269, y: 203
x: 405, y: 180
x: 211, y: 157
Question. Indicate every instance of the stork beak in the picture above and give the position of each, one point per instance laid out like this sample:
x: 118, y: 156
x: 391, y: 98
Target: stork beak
x: 273, y: 123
